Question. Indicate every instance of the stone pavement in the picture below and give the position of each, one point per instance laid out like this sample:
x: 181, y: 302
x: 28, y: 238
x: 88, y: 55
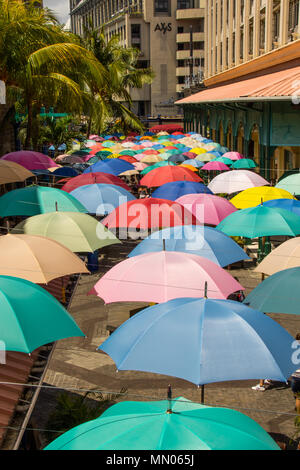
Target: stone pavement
x: 76, y: 363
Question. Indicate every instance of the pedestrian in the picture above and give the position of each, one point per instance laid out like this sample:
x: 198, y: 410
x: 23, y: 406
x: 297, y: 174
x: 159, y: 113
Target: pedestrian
x: 295, y: 377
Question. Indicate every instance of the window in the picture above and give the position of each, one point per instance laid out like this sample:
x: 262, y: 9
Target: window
x: 136, y: 35
x: 162, y: 7
x: 183, y: 4
x: 180, y: 29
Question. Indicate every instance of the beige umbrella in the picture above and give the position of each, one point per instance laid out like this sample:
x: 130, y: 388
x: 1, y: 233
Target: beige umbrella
x: 37, y: 259
x: 129, y: 173
x: 285, y: 256
x: 151, y: 159
x: 11, y: 172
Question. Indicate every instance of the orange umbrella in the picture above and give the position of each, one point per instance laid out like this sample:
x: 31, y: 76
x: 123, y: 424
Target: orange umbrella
x: 168, y: 174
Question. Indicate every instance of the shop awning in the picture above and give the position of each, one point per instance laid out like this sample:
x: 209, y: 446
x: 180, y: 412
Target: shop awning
x: 278, y: 85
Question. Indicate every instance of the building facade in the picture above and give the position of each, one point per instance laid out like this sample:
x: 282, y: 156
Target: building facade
x: 169, y: 35
x: 252, y: 80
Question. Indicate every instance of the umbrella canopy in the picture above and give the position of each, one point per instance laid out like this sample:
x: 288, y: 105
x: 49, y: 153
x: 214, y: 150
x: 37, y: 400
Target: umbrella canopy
x: 209, y: 209
x: 198, y: 240
x: 288, y: 173
x: 93, y: 178
x: 37, y: 259
x: 225, y: 160
x: 11, y: 172
x: 277, y: 294
x: 151, y: 159
x: 175, y: 190
x: 195, y: 163
x: 206, y: 157
x: 114, y: 167
x: 101, y: 199
x: 149, y: 213
x: 31, y: 317
x: 260, y: 221
x: 215, y: 166
x: 285, y: 256
x: 203, y: 341
x: 168, y: 174
x: 292, y: 205
x: 178, y: 158
x: 254, y: 196
x: 290, y: 183
x: 69, y: 159
x: 128, y: 158
x: 65, y: 172
x: 157, y: 165
x: 233, y: 156
x: 30, y: 160
x: 147, y: 426
x: 34, y: 200
x: 235, y: 181
x: 158, y: 277
x: 244, y: 163
x: 78, y: 232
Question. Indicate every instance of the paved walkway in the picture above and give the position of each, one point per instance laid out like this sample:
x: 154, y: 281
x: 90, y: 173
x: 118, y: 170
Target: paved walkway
x: 76, y: 363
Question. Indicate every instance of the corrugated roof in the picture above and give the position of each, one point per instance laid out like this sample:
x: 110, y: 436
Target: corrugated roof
x: 276, y: 85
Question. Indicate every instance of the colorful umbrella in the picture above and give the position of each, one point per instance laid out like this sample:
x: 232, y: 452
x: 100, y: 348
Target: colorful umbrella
x: 260, y: 221
x: 173, y: 191
x: 11, y: 172
x: 94, y: 178
x: 31, y: 317
x: 158, y: 277
x: 208, y: 209
x: 198, y: 240
x: 149, y: 214
x: 285, y: 256
x: 278, y: 294
x: 254, y: 196
x: 233, y: 156
x: 291, y: 184
x: 206, y: 157
x: 101, y: 199
x: 291, y: 205
x: 153, y: 426
x: 37, y: 259
x: 34, y: 200
x: 78, y: 232
x: 168, y: 174
x: 113, y: 167
x: 30, y: 160
x: 235, y: 181
x: 215, y: 166
x: 66, y: 172
x: 203, y: 341
x: 244, y: 163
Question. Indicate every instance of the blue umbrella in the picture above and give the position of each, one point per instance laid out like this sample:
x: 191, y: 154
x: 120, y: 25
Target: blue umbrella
x: 199, y: 240
x: 65, y: 172
x: 176, y: 189
x: 178, y: 158
x: 203, y: 341
x: 291, y: 205
x: 196, y: 163
x: 113, y: 166
x: 101, y: 199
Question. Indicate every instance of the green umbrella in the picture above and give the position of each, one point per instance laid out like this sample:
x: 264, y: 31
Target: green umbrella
x: 34, y: 200
x: 277, y: 294
x: 103, y: 154
x: 31, y: 317
x: 165, y: 155
x: 80, y: 233
x: 156, y: 165
x: 82, y: 153
x: 290, y: 183
x: 164, y: 425
x: 244, y: 163
x: 260, y: 221
x: 224, y: 160
x: 130, y: 153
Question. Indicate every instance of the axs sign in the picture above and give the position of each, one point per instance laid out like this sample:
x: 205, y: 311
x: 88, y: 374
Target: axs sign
x: 164, y: 27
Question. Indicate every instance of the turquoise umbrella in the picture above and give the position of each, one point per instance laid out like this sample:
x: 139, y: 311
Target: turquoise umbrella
x: 157, y: 165
x: 260, y: 221
x: 34, y: 200
x: 163, y: 425
x: 224, y: 160
x: 244, y: 163
x: 278, y: 293
x: 31, y: 317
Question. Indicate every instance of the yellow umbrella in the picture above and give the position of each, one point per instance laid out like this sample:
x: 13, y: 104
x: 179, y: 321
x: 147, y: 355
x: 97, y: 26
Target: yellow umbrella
x: 252, y: 197
x: 11, y: 172
x: 190, y: 167
x: 151, y: 159
x: 198, y: 150
x: 37, y: 259
x: 54, y: 168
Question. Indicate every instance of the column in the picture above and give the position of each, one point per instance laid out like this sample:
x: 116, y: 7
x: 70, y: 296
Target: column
x: 206, y: 49
x: 256, y: 29
x: 219, y: 27
x: 209, y: 43
x: 230, y: 34
x: 298, y: 23
x: 246, y: 30
x: 224, y: 51
x: 214, y: 40
x: 237, y: 32
x: 284, y: 22
x: 269, y: 26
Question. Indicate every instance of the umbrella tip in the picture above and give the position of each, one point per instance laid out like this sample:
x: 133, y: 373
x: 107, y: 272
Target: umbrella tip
x: 205, y: 290
x: 169, y: 395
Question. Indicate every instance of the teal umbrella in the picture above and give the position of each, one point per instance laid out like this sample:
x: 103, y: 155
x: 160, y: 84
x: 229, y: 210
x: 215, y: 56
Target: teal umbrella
x: 34, y: 200
x: 244, y: 163
x: 31, y: 317
x: 260, y: 221
x: 224, y: 160
x: 166, y: 425
x: 290, y: 183
x: 278, y: 293
x: 157, y: 165
x: 82, y: 153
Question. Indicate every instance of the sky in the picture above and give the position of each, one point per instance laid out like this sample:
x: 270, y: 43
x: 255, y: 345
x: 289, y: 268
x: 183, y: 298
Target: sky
x: 60, y: 7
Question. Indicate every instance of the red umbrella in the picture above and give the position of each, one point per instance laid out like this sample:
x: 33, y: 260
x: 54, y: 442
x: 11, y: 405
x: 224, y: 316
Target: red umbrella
x: 168, y: 174
x: 91, y: 178
x: 128, y: 158
x: 149, y: 213
x: 150, y: 152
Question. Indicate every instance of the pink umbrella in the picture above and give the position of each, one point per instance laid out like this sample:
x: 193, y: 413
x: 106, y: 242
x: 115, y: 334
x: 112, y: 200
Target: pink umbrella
x: 162, y: 276
x: 140, y: 166
x: 215, y: 166
x: 190, y: 155
x: 233, y: 155
x: 71, y: 159
x: 208, y: 209
x: 30, y: 160
x: 139, y: 156
x: 235, y: 181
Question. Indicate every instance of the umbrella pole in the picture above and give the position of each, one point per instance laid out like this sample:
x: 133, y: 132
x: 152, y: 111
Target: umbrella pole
x: 202, y: 394
x: 169, y: 395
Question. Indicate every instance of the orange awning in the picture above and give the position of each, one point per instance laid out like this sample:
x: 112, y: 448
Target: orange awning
x: 279, y: 85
